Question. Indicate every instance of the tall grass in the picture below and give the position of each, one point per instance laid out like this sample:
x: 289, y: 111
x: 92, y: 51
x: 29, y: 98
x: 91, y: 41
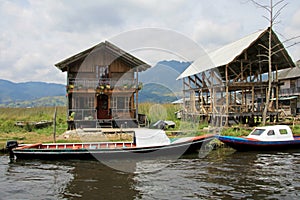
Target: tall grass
x: 157, y: 112
x: 9, y: 116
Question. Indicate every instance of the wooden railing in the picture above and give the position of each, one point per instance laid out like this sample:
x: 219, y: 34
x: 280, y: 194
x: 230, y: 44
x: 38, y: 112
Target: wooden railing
x: 289, y: 91
x: 78, y: 83
x: 84, y: 114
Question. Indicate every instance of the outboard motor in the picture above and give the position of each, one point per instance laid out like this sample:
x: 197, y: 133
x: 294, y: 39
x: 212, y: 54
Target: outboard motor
x: 11, y: 145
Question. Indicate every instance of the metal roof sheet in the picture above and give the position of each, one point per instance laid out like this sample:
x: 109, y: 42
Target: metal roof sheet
x: 231, y: 52
x: 289, y: 73
x: 221, y: 56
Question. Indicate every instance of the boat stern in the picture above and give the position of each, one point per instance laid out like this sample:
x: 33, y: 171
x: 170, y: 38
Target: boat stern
x: 10, y: 145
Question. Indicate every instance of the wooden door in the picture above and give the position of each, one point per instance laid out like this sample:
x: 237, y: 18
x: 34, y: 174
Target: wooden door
x: 102, y: 107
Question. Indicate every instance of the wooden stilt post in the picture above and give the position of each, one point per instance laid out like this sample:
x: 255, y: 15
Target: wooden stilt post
x: 54, y: 125
x: 227, y: 96
x: 277, y: 95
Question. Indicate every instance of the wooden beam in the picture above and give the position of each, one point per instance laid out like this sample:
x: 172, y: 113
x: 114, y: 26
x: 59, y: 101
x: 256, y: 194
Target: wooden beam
x: 194, y: 81
x: 252, y: 99
x: 227, y: 96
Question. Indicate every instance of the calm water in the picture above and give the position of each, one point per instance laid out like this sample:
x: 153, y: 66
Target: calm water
x: 223, y: 174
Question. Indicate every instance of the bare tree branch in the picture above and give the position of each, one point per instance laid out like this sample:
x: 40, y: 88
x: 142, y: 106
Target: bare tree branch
x: 279, y: 11
x: 263, y: 61
x: 261, y: 5
x: 277, y: 3
x: 267, y: 18
x: 262, y: 55
x: 263, y: 46
x: 293, y: 38
x: 293, y: 44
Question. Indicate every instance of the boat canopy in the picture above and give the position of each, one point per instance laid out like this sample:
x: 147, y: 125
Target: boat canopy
x: 272, y: 133
x: 151, y: 137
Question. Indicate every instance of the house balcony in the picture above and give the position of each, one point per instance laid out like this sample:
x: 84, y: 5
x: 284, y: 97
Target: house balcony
x: 91, y: 114
x: 289, y: 91
x: 87, y: 118
x: 108, y: 84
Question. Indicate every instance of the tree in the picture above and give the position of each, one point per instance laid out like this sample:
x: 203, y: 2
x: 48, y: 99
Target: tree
x: 274, y: 11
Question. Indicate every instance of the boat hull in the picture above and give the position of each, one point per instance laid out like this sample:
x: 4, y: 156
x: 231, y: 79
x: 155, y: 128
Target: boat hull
x: 166, y: 151
x: 244, y: 144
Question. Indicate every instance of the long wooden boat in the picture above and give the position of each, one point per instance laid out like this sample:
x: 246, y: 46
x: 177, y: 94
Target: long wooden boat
x: 144, y: 145
x: 267, y: 138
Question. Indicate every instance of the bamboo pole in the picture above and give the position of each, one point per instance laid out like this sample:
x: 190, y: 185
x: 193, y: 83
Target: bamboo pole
x: 252, y: 99
x: 277, y: 95
x: 54, y: 125
x: 227, y: 96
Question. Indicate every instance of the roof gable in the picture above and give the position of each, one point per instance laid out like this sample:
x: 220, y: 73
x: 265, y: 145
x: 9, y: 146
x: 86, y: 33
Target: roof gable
x: 116, y: 51
x: 231, y: 54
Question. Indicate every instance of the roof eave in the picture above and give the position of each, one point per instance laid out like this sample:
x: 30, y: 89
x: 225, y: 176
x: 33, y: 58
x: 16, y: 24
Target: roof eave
x: 142, y: 66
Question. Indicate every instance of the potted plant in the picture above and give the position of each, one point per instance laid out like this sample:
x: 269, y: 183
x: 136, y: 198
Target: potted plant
x: 140, y: 86
x: 70, y: 88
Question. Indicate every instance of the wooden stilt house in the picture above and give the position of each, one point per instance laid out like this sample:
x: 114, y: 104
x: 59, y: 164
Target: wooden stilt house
x: 231, y: 82
x: 102, y: 87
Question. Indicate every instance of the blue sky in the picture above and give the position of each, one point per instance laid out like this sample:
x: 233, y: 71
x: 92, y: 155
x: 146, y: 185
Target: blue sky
x: 36, y: 34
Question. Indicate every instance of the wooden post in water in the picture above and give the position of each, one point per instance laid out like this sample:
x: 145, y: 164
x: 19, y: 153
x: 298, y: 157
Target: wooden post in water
x: 54, y: 125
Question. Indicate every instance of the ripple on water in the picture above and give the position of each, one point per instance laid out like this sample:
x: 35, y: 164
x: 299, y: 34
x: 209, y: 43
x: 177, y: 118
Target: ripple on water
x: 33, y: 179
x: 223, y: 174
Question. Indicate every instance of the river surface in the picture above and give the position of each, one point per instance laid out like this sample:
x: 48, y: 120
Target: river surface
x: 222, y: 174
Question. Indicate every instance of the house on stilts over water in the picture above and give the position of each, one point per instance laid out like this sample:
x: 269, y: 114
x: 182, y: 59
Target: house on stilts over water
x: 102, y: 87
x: 229, y: 85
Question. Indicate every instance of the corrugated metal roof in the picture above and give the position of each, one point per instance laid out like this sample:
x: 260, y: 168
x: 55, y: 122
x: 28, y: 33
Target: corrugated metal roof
x: 289, y: 73
x: 233, y: 52
x: 221, y: 56
x: 285, y: 98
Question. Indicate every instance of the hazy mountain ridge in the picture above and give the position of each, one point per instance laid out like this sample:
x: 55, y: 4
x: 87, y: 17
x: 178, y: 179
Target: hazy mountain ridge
x: 15, y: 93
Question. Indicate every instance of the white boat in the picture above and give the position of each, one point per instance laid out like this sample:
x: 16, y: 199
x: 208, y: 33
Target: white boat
x: 275, y: 137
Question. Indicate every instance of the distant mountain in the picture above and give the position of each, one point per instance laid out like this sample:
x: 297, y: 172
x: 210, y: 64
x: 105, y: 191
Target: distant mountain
x: 174, y: 64
x: 12, y: 93
x: 159, y: 82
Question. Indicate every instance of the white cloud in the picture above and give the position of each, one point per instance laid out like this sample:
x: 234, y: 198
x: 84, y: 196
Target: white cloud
x: 37, y: 34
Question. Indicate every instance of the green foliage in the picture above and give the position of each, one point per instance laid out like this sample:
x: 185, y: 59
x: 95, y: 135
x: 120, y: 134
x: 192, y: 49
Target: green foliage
x: 9, y: 116
x: 41, y: 102
x: 8, y: 126
x: 157, y: 112
x: 236, y: 131
x: 296, y: 129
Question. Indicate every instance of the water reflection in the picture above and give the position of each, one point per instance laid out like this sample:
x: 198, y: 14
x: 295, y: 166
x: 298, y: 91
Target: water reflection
x: 93, y: 180
x: 33, y: 180
x: 223, y: 174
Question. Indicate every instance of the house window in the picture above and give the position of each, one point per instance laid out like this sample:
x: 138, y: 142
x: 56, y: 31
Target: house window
x: 113, y: 103
x: 120, y: 103
x: 102, y: 72
x: 90, y: 102
x: 83, y: 102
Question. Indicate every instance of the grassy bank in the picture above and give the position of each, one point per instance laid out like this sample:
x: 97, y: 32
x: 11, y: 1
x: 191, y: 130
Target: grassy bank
x: 9, y: 116
x: 154, y: 112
